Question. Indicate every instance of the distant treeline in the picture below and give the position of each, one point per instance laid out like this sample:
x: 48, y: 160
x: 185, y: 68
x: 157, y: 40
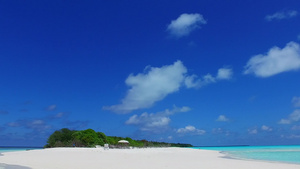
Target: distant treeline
x: 90, y: 138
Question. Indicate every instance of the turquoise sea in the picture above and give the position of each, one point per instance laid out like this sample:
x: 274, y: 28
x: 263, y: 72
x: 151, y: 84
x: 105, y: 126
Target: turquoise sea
x: 287, y: 154
x: 10, y: 149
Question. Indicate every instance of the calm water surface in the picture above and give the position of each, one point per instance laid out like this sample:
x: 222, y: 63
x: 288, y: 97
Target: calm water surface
x: 10, y: 149
x: 288, y: 154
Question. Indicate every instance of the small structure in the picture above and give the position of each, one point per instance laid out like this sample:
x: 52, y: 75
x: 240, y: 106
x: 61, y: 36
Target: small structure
x: 106, y: 147
x: 123, y: 143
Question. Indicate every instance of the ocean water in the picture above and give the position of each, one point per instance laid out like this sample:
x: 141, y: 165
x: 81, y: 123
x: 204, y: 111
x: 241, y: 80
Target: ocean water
x: 11, y: 149
x: 286, y: 154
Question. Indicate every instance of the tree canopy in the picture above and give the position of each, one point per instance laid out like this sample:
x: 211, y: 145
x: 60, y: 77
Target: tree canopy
x: 90, y: 138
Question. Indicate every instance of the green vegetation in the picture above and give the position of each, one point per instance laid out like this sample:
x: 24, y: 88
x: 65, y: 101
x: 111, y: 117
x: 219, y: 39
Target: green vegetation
x: 89, y: 138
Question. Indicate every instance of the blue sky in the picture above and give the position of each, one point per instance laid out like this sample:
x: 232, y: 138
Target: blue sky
x: 200, y: 72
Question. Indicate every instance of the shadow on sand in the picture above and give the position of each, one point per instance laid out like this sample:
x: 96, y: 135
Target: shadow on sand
x: 6, y: 166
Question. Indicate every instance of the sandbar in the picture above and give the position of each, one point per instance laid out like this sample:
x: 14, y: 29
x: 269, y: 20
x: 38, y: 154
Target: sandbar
x: 142, y: 158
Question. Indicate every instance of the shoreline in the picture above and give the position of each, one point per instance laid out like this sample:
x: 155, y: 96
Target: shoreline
x: 230, y: 156
x: 289, y: 154
x: 144, y: 158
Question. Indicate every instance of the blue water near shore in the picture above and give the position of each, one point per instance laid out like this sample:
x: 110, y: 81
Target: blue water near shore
x: 287, y: 154
x: 11, y: 149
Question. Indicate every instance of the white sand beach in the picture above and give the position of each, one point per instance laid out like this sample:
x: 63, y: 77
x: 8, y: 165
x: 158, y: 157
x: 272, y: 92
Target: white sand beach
x: 148, y: 158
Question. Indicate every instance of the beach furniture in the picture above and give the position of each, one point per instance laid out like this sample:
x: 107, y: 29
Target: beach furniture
x: 106, y: 147
x: 123, y: 143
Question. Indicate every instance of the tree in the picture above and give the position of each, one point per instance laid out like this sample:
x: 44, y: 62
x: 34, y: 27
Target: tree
x: 88, y: 138
x: 61, y: 138
x: 102, y: 137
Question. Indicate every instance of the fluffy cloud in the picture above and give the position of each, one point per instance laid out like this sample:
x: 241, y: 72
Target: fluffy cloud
x: 185, y: 24
x: 191, y: 130
x: 154, y: 122
x: 194, y: 81
x: 281, y: 15
x: 296, y: 101
x: 293, y: 117
x: 148, y: 122
x: 222, y: 118
x: 266, y: 128
x: 275, y: 61
x: 150, y: 87
x: 224, y: 73
x: 156, y: 83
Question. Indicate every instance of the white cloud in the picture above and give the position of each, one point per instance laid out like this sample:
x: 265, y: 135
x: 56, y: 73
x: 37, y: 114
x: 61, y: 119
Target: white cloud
x: 151, y: 86
x: 222, y: 118
x: 275, y: 61
x: 266, y: 128
x: 293, y: 117
x: 154, y: 122
x: 296, y: 101
x: 281, y: 15
x: 149, y: 121
x: 224, y: 73
x: 194, y: 81
x: 191, y: 130
x: 252, y: 131
x: 182, y: 109
x: 155, y: 84
x: 185, y: 24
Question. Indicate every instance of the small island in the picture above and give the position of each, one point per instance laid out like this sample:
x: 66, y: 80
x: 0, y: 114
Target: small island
x: 90, y: 138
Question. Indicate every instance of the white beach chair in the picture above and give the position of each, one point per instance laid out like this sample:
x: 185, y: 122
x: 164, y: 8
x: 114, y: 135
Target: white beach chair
x: 106, y: 147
